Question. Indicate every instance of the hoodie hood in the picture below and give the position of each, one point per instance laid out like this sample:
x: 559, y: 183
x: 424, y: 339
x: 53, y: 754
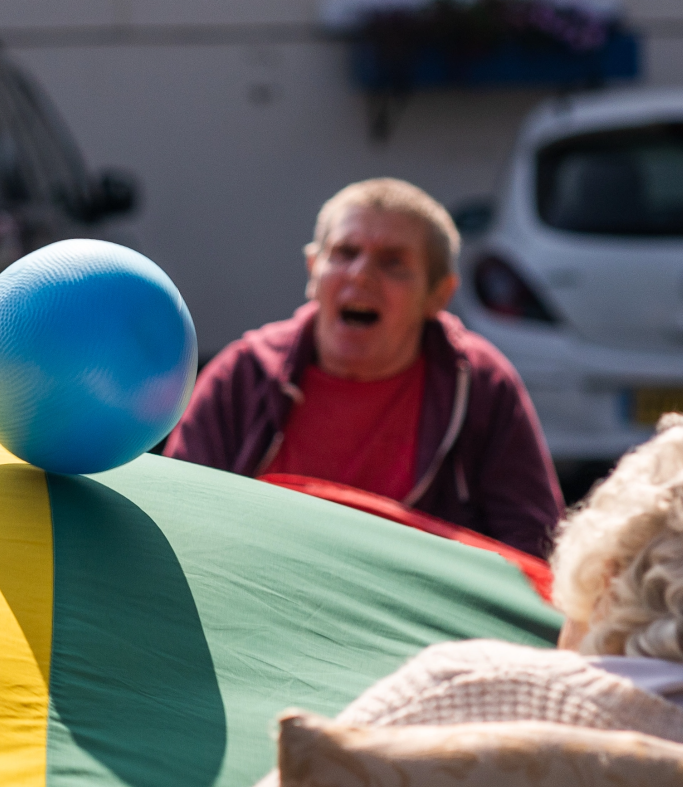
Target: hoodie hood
x: 285, y: 348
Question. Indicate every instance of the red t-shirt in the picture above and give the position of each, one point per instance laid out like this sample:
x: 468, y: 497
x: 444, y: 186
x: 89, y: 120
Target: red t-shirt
x: 359, y: 433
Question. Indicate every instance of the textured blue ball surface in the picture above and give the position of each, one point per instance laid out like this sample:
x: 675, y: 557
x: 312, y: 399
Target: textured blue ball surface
x: 98, y: 356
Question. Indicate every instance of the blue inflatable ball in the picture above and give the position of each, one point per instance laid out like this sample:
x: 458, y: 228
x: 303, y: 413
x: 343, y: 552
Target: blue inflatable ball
x: 98, y: 356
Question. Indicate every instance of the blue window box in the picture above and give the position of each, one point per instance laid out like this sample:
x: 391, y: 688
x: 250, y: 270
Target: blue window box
x: 512, y: 63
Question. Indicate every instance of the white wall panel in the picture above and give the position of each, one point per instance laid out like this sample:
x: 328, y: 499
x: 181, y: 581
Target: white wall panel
x: 222, y: 11
x: 233, y: 181
x: 48, y: 13
x: 654, y: 9
x: 664, y: 60
x: 238, y: 145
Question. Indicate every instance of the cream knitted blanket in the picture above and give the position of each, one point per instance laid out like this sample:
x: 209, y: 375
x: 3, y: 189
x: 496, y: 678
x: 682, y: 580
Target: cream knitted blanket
x: 486, y: 680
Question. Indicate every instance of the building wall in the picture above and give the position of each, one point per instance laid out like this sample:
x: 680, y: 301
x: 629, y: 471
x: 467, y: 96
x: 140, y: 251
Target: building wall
x: 239, y: 121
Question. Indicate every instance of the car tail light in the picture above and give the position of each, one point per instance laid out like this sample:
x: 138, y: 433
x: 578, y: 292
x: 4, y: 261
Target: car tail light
x: 502, y: 290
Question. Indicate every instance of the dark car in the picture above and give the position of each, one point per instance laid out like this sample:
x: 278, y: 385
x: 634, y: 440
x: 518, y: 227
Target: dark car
x: 46, y: 190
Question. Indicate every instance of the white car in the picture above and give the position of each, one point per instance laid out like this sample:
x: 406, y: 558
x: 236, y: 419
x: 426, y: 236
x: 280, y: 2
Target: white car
x: 578, y: 277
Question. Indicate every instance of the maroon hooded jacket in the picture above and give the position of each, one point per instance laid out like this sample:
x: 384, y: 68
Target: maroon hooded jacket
x: 482, y: 461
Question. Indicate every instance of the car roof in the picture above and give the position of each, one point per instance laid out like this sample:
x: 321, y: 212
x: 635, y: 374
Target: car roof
x: 601, y: 109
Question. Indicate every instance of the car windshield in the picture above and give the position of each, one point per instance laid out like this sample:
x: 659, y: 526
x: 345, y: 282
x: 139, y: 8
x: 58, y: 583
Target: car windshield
x: 625, y: 182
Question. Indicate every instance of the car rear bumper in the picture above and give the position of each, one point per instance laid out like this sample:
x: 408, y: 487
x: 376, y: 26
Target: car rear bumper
x: 585, y: 394
x: 586, y: 425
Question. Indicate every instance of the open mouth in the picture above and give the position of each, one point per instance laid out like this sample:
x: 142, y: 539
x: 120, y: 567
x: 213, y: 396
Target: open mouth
x: 360, y: 318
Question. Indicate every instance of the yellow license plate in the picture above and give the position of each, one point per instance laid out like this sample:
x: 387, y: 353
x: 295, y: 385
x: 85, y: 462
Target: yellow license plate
x: 650, y: 403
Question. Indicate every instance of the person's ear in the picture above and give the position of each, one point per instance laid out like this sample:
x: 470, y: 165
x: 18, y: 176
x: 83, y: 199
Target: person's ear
x: 311, y: 251
x: 441, y: 295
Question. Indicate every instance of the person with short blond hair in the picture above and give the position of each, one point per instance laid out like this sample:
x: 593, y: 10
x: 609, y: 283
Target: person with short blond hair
x: 374, y: 385
x: 396, y: 196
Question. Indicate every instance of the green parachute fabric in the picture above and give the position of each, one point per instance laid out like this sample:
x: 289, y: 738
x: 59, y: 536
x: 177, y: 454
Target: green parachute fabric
x: 155, y: 619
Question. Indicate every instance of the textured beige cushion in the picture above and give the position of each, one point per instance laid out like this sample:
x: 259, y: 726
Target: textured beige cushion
x: 317, y: 752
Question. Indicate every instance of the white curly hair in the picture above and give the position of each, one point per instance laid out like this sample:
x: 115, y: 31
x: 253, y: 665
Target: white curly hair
x: 618, y: 561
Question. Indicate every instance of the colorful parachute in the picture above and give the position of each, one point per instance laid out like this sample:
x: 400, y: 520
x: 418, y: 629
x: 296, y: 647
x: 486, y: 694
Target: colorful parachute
x: 155, y: 618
